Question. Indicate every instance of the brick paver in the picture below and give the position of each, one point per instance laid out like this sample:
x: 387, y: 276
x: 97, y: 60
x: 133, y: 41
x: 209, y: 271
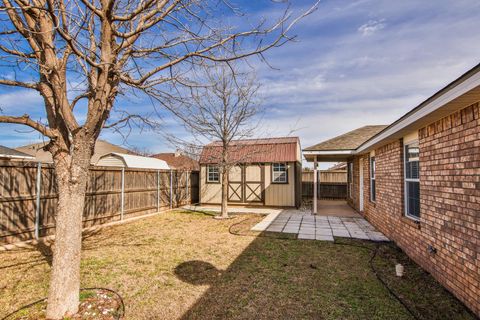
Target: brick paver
x: 325, y: 228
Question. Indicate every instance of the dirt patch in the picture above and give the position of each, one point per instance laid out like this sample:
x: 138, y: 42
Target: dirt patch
x: 101, y: 304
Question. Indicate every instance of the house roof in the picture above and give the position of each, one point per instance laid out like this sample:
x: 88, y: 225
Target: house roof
x: 460, y: 93
x: 285, y: 149
x: 13, y: 154
x: 177, y: 160
x: 102, y: 147
x: 348, y: 141
x: 338, y: 166
x: 138, y: 162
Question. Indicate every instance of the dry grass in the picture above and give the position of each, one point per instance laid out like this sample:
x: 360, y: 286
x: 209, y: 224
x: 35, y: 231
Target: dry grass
x: 182, y: 265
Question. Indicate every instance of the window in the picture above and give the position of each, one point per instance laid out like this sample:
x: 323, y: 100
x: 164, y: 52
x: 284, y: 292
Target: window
x: 412, y: 181
x: 350, y: 179
x: 279, y: 173
x: 372, y: 180
x: 213, y: 175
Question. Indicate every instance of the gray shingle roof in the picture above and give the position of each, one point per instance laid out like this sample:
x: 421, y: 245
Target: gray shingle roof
x: 348, y: 141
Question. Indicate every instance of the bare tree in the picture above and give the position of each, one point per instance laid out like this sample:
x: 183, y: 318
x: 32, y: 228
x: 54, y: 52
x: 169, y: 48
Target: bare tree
x: 84, y: 54
x: 226, y: 109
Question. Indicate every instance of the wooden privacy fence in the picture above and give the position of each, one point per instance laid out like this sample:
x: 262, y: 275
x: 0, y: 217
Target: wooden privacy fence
x: 28, y: 196
x: 332, y: 184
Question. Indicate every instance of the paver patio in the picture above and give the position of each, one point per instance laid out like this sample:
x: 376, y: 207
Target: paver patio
x: 319, y: 227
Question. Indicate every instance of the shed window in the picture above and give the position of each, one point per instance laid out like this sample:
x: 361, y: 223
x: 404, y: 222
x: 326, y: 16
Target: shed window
x: 372, y: 180
x: 213, y: 175
x: 412, y: 181
x: 279, y: 173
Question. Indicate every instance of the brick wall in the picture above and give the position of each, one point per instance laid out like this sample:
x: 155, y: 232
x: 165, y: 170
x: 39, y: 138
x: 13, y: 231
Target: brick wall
x: 353, y: 199
x: 449, y: 205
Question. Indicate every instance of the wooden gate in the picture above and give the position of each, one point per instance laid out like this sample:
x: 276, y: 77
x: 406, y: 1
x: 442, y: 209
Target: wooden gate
x: 246, y: 184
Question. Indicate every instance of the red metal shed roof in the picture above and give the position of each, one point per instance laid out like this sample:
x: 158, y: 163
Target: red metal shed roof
x: 283, y: 149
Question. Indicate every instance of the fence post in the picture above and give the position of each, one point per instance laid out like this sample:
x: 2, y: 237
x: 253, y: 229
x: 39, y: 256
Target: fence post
x: 122, y: 197
x: 171, y: 189
x: 158, y: 190
x: 37, y: 201
x: 189, y: 201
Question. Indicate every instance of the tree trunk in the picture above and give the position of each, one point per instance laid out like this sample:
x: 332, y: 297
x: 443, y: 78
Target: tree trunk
x: 224, y: 192
x: 71, y: 170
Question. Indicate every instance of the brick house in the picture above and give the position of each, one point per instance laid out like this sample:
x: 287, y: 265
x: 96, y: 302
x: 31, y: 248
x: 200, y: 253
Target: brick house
x: 418, y: 181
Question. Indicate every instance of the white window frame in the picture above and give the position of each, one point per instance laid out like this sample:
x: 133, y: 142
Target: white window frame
x: 217, y: 173
x: 350, y: 179
x: 373, y: 172
x: 279, y: 173
x: 406, y: 180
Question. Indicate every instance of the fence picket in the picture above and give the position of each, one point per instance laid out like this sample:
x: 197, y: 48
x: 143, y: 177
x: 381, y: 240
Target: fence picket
x: 28, y: 196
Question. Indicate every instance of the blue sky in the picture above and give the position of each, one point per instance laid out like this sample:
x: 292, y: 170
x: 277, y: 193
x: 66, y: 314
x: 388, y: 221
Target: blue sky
x: 354, y: 63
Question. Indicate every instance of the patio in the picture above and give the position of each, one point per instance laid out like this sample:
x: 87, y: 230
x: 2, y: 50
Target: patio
x: 335, y: 218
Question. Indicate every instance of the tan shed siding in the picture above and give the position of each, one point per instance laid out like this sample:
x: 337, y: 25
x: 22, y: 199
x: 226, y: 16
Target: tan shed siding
x: 209, y: 192
x: 280, y: 194
x: 253, y: 173
x: 235, y: 174
x: 111, y: 161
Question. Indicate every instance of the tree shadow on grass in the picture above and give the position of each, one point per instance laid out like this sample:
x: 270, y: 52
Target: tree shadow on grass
x: 302, y: 279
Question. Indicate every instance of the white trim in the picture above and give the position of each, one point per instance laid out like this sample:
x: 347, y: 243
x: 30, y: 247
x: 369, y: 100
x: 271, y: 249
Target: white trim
x: 459, y: 90
x: 361, y: 187
x: 329, y: 152
x: 405, y: 180
x: 210, y: 166
x: 373, y: 178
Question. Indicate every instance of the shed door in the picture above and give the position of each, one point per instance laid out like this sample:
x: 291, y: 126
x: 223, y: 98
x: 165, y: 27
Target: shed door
x: 246, y: 184
x: 254, y: 183
x: 235, y: 184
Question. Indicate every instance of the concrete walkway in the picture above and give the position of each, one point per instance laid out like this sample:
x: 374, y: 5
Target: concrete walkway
x: 336, y: 208
x: 234, y: 209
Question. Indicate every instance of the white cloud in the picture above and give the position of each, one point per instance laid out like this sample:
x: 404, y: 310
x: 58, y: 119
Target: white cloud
x: 371, y: 27
x: 333, y: 80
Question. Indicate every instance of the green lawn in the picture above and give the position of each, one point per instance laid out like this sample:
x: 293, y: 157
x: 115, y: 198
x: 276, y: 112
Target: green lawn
x: 181, y: 265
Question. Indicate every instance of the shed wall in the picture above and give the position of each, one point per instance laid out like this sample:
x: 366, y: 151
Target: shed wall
x: 110, y: 161
x: 282, y: 195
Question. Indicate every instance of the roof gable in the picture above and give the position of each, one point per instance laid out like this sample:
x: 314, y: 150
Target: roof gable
x: 102, y: 147
x: 284, y: 149
x: 138, y: 162
x: 348, y: 141
x: 12, y: 153
x: 178, y: 161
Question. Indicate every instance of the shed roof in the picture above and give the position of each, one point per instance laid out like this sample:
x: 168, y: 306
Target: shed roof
x: 348, y: 141
x: 12, y: 153
x: 139, y: 162
x: 177, y: 160
x: 284, y: 149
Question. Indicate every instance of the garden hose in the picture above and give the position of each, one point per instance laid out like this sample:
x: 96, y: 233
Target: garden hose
x: 370, y: 262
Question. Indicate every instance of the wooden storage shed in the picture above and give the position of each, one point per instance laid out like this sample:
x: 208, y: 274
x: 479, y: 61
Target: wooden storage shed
x: 267, y: 172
